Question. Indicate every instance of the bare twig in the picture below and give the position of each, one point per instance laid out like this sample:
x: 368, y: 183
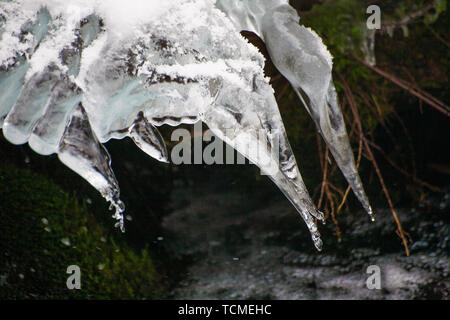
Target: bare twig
x: 325, y: 187
x: 419, y: 93
x: 333, y: 216
x: 437, y: 36
x: 324, y: 165
x: 403, y: 171
x: 283, y: 91
x: 371, y: 157
x: 358, y: 162
x: 407, y: 19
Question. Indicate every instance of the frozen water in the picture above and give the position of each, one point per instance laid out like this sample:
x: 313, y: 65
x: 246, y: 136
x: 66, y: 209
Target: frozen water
x: 300, y: 55
x: 75, y: 74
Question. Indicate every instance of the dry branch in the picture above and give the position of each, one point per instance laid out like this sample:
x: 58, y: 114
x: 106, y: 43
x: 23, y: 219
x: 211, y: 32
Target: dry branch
x: 371, y: 157
x: 419, y: 93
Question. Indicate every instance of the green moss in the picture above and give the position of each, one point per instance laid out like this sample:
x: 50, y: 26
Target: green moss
x: 43, y: 230
x: 340, y: 23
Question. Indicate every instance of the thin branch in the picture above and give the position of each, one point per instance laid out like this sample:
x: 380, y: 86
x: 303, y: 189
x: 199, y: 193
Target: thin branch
x: 409, y: 17
x: 358, y: 162
x: 404, y: 172
x: 437, y: 35
x: 324, y: 166
x: 419, y: 93
x: 283, y: 91
x: 333, y: 216
x: 354, y: 109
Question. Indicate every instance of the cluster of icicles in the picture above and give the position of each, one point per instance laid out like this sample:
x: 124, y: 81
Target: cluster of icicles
x: 75, y: 74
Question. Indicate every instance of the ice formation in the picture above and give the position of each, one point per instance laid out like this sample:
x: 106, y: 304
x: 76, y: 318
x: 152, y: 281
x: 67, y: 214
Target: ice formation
x: 74, y: 74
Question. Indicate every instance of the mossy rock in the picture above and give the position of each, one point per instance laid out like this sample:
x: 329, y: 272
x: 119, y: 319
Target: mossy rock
x: 44, y: 230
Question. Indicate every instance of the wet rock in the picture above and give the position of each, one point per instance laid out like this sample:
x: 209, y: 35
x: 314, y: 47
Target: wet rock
x: 264, y: 252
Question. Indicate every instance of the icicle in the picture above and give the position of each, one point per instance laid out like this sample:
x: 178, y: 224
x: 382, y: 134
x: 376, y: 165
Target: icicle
x: 368, y: 46
x: 148, y: 138
x: 303, y: 59
x: 15, y: 50
x: 29, y: 106
x: 258, y: 133
x: 337, y: 140
x: 11, y: 82
x: 81, y: 151
x: 47, y: 134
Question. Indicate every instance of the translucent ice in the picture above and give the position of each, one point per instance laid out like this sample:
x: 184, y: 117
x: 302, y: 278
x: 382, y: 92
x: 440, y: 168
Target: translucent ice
x: 75, y: 74
x: 300, y: 55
